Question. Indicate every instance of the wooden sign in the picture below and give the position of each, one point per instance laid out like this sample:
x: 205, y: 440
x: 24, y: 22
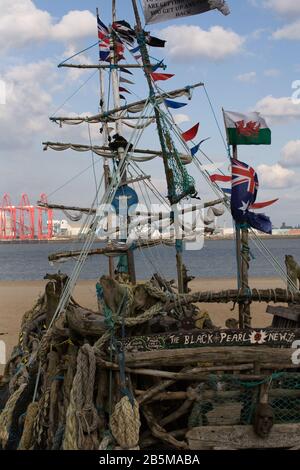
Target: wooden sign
x: 203, y: 338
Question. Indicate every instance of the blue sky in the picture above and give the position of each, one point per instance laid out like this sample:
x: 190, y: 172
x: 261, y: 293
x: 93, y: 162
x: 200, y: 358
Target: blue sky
x: 248, y: 61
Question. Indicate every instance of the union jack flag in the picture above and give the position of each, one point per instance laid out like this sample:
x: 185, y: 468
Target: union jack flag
x: 242, y: 173
x: 104, y: 40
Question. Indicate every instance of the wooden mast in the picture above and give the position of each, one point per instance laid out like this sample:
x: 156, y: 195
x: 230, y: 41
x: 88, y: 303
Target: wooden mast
x: 147, y: 70
x: 116, y: 94
x: 105, y: 140
x: 168, y: 172
x: 242, y: 250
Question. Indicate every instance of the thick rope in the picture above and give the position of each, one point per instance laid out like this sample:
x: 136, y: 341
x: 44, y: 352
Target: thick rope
x: 26, y: 441
x: 7, y: 414
x: 82, y: 417
x: 125, y: 423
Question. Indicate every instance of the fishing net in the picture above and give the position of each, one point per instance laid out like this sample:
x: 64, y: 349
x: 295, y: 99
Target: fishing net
x: 225, y: 399
x: 180, y: 183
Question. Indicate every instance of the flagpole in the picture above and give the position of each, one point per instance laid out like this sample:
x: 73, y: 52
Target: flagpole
x: 242, y: 250
x: 242, y: 256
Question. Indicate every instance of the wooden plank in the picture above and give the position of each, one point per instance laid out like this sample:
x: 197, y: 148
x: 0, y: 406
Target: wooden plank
x: 243, y: 437
x: 202, y: 338
x: 220, y: 355
x: 289, y: 313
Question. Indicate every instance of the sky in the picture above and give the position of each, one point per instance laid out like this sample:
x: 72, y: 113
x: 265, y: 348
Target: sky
x: 248, y: 60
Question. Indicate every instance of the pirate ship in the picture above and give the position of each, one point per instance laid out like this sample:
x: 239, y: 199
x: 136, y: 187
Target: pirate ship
x: 149, y: 368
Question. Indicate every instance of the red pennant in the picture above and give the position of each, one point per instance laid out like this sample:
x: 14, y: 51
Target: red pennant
x: 261, y: 205
x: 161, y: 76
x: 191, y: 133
x: 223, y: 178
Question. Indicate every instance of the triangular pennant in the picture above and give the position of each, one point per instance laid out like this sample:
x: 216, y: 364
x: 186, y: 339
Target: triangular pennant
x: 174, y: 104
x: 121, y: 88
x: 195, y: 149
x: 161, y: 76
x: 158, y: 66
x: 123, y: 69
x: 223, y: 178
x: 226, y: 190
x: 191, y: 133
x: 124, y: 80
x: 122, y: 97
x: 134, y: 50
x: 155, y: 42
x: 261, y: 205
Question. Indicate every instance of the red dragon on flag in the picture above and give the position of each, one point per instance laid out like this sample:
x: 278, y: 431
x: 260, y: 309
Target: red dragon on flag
x: 249, y: 129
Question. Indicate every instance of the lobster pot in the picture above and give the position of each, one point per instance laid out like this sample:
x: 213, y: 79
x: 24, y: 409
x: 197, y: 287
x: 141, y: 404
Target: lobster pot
x: 227, y: 400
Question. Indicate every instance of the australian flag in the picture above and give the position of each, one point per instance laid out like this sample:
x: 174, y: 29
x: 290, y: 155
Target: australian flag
x: 244, y: 186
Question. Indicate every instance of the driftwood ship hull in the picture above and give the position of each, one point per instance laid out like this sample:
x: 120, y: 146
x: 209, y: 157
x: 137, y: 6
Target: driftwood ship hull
x: 134, y: 375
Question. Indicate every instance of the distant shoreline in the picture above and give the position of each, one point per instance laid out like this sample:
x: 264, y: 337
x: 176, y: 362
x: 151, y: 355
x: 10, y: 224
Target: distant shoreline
x: 76, y: 240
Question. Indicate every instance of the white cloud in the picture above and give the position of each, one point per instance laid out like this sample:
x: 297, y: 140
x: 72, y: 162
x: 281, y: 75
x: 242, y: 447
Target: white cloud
x: 276, y: 177
x: 180, y: 118
x: 27, y: 102
x: 284, y: 7
x: 247, y: 77
x: 272, y: 73
x: 291, y: 154
x: 278, y: 109
x: 22, y: 23
x: 76, y: 24
x: 191, y: 42
x: 290, y: 31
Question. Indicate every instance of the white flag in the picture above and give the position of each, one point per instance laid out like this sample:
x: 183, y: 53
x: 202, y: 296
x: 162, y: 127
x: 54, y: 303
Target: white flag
x: 156, y: 11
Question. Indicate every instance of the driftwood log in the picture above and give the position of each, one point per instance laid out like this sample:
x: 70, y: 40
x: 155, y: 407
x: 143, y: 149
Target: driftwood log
x: 222, y: 355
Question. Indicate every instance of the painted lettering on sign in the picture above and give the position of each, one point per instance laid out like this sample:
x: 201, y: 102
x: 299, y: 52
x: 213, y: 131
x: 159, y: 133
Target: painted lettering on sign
x: 201, y: 338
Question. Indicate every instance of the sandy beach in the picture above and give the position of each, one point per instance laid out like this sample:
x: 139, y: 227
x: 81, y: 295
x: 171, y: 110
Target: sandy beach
x: 16, y: 297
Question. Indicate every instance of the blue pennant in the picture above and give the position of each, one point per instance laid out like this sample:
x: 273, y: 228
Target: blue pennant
x: 135, y: 49
x: 195, y: 149
x: 174, y: 104
x: 158, y: 66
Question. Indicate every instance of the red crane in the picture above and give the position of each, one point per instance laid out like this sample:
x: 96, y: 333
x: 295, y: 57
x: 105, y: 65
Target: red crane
x: 8, y: 219
x: 45, y: 220
x: 26, y: 219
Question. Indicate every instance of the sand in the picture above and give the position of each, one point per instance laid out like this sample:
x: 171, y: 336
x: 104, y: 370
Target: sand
x: 16, y: 297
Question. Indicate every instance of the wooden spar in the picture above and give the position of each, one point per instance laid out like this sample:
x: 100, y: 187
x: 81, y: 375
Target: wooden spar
x: 106, y: 152
x: 242, y: 248
x: 106, y: 66
x: 93, y: 211
x: 114, y: 250
x: 106, y: 168
x: 98, y: 117
x: 224, y: 355
x: 101, y: 147
x: 233, y: 295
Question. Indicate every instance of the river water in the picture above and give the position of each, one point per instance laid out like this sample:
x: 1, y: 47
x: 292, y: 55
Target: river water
x: 215, y: 260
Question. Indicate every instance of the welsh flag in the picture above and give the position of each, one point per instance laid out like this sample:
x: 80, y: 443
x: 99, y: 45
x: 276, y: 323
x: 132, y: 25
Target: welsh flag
x: 246, y: 129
